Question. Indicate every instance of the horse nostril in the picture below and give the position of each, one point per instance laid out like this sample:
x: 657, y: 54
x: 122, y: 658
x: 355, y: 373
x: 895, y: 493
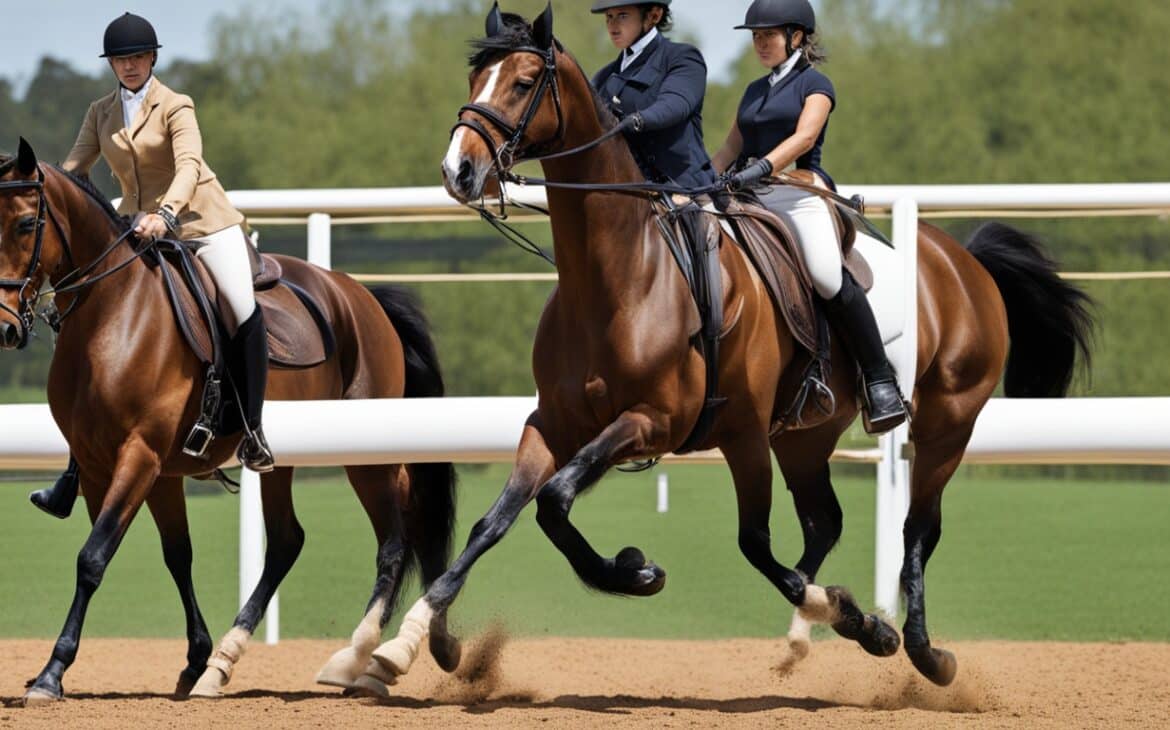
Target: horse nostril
x: 9, y: 335
x: 465, y: 175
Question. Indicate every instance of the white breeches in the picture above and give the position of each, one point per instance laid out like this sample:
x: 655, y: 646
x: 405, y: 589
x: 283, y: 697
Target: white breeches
x: 807, y: 216
x: 226, y: 258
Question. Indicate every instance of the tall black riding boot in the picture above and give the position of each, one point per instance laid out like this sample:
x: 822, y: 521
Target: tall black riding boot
x: 853, y: 319
x: 58, y: 499
x: 249, y: 371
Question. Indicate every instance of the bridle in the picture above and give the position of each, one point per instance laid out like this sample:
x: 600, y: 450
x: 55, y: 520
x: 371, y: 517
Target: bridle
x: 504, y: 156
x: 28, y: 296
x: 70, y: 283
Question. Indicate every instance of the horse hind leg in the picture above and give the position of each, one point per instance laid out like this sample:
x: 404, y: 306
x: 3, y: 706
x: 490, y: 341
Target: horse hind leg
x: 285, y: 538
x: 934, y: 464
x: 378, y: 489
x: 169, y: 509
x: 804, y: 461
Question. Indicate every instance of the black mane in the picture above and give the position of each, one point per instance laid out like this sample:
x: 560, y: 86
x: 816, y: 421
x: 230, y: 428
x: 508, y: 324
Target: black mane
x: 516, y: 33
x: 6, y: 163
x: 87, y: 186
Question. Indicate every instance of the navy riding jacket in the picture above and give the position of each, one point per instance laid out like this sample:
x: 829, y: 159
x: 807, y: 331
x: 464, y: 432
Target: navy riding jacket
x: 768, y: 115
x: 666, y: 83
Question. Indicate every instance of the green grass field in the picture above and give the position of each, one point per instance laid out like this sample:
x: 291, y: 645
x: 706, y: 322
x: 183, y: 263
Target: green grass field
x: 1019, y: 559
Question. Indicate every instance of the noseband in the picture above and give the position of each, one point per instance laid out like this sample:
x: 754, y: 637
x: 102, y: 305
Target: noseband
x: 504, y: 156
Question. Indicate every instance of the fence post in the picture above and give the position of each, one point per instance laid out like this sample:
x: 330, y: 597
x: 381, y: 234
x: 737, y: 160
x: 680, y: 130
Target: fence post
x: 893, y: 477
x: 663, y: 492
x: 252, y: 547
x: 321, y: 240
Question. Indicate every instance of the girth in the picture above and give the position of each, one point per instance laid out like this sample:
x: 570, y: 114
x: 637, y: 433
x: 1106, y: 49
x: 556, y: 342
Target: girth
x: 694, y: 241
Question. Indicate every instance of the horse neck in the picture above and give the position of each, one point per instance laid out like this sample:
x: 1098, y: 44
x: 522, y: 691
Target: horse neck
x: 90, y: 233
x: 598, y: 237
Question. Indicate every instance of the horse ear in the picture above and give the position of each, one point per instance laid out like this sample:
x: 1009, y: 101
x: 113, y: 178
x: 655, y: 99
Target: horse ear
x: 542, y: 28
x: 26, y: 159
x: 495, y: 22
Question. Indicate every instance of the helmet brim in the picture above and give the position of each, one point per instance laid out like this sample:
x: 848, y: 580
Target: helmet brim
x: 130, y: 51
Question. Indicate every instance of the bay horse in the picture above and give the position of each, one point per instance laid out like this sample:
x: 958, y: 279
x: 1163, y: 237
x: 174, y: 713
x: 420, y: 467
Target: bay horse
x: 619, y: 377
x: 124, y: 388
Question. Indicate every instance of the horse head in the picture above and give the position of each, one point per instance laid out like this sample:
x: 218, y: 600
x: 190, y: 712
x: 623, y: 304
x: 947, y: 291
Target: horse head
x: 523, y: 91
x: 23, y: 212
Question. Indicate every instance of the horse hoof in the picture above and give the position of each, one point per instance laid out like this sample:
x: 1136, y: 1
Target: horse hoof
x: 342, y: 669
x: 38, y: 697
x: 446, y: 651
x: 186, y: 683
x: 210, y: 685
x: 880, y: 639
x: 367, y: 686
x: 639, y: 577
x: 937, y: 665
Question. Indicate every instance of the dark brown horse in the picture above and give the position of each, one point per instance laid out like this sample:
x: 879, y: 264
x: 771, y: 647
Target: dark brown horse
x: 124, y: 388
x: 619, y: 378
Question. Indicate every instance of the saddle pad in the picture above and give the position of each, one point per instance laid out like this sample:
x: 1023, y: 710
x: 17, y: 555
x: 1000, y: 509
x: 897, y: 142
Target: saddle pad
x: 769, y: 245
x: 297, y: 336
x: 887, y: 295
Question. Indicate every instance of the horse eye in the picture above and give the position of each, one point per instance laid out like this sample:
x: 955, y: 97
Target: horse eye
x: 27, y: 225
x: 523, y: 87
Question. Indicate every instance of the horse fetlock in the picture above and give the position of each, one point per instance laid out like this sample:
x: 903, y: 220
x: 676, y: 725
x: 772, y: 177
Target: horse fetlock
x: 818, y: 605
x: 397, y: 655
x: 221, y: 665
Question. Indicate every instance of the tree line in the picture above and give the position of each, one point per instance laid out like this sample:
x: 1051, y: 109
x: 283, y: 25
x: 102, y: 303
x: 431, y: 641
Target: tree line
x: 929, y: 91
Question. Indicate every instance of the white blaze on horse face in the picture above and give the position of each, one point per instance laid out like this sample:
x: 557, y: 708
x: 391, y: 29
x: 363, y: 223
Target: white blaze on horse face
x: 454, y: 158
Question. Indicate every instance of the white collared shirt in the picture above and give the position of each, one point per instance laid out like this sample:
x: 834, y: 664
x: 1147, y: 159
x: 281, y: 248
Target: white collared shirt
x: 785, y: 68
x: 132, y: 101
x: 632, y: 53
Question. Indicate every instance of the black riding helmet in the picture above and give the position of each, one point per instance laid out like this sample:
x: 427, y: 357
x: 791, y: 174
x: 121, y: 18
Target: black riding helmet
x: 600, y: 6
x: 129, y: 35
x: 780, y: 14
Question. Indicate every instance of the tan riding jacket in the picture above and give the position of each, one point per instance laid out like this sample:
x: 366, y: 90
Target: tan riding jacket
x: 158, y: 160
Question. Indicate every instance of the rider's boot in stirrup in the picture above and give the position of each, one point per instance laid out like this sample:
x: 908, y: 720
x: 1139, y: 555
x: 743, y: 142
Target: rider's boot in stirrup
x: 58, y: 499
x: 249, y: 370
x: 849, y: 311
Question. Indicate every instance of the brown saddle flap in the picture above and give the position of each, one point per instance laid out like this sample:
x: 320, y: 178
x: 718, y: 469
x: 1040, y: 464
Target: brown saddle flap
x: 772, y: 250
x: 295, y: 339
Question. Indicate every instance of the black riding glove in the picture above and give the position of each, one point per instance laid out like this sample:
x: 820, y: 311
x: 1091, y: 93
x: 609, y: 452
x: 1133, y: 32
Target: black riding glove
x: 631, y: 123
x: 748, y: 176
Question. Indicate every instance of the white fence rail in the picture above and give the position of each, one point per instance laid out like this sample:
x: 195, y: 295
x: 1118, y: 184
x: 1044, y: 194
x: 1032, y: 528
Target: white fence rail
x: 1086, y: 431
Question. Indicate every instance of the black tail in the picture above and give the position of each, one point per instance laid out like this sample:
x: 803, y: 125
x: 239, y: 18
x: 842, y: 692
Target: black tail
x: 432, y: 488
x: 1049, y: 320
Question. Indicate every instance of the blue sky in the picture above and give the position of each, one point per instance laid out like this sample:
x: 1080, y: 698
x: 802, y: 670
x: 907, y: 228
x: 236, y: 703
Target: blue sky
x: 72, y: 29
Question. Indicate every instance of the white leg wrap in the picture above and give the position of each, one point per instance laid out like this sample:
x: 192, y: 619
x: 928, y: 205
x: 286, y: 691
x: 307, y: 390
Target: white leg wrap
x: 816, y: 607
x: 222, y: 663
x: 799, y: 635
x: 347, y: 665
x: 399, y: 653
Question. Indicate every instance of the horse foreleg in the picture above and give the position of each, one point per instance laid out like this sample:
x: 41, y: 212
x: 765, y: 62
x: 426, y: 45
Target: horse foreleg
x: 136, y: 470
x: 428, y: 615
x: 169, y: 509
x: 285, y: 540
x: 629, y: 573
x: 375, y: 487
x: 934, y: 464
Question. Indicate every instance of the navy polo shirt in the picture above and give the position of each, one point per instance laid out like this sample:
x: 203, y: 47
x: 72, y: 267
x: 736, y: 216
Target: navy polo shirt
x: 769, y: 114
